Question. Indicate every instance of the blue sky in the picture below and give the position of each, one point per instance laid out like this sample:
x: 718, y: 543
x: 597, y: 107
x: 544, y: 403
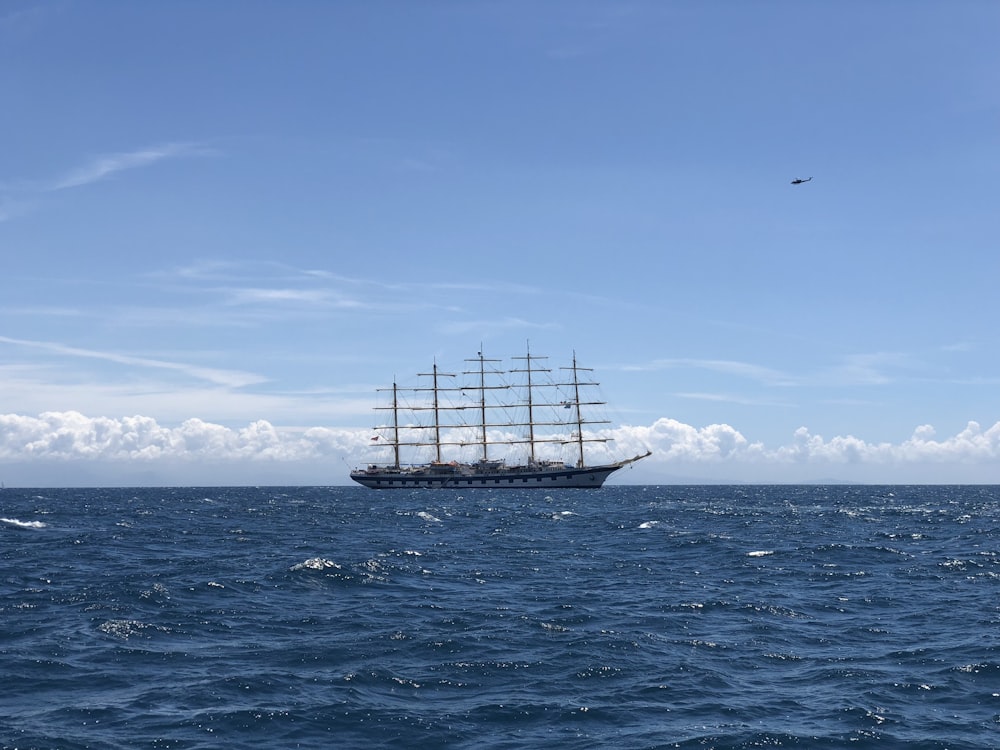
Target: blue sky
x: 224, y: 225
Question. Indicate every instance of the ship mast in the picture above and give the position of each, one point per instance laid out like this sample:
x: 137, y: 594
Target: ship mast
x: 482, y: 388
x: 576, y: 403
x: 436, y: 408
x: 580, y: 421
x: 394, y: 426
x: 530, y: 398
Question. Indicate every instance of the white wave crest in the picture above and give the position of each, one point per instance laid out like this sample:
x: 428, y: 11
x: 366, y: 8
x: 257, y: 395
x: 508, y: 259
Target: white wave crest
x: 23, y: 524
x: 315, y: 563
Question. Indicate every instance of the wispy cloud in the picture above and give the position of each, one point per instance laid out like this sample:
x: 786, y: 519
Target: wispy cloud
x: 23, y: 20
x: 205, y: 269
x: 106, y: 165
x: 728, y: 398
x: 876, y: 368
x: 423, y: 285
x: 22, y: 197
x: 275, y: 290
x: 10, y: 209
x: 227, y: 378
x: 501, y: 324
x: 869, y: 369
x: 960, y: 346
x: 766, y: 375
x: 45, y: 311
x: 249, y: 295
x: 276, y: 286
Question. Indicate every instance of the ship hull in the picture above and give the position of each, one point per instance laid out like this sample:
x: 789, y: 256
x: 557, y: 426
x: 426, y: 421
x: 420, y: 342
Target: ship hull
x: 587, y: 477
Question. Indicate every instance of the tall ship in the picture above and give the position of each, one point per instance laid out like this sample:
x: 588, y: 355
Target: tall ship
x: 467, y: 432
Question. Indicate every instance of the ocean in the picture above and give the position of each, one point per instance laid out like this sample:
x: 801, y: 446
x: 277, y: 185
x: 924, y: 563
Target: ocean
x: 628, y: 617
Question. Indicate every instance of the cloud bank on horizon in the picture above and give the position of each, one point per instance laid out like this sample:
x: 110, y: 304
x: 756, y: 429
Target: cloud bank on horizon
x: 719, y: 451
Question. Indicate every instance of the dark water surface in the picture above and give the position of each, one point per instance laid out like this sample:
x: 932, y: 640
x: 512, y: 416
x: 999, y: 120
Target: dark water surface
x: 631, y: 617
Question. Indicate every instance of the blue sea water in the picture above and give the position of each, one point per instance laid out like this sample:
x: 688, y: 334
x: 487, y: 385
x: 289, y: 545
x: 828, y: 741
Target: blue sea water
x: 629, y: 617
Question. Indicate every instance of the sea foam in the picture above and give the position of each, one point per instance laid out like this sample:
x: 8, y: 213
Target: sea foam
x: 23, y: 524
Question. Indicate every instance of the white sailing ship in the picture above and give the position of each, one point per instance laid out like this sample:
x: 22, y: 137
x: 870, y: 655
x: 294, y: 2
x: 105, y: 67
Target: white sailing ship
x: 523, y: 405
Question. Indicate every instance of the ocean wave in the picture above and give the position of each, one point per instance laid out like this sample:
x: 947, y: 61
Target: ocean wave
x: 315, y: 563
x: 23, y: 524
x: 125, y: 629
x: 203, y: 621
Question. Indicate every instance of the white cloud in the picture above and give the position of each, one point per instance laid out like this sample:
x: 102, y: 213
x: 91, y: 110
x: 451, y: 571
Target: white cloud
x: 74, y: 436
x: 673, y: 440
x: 131, y: 442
